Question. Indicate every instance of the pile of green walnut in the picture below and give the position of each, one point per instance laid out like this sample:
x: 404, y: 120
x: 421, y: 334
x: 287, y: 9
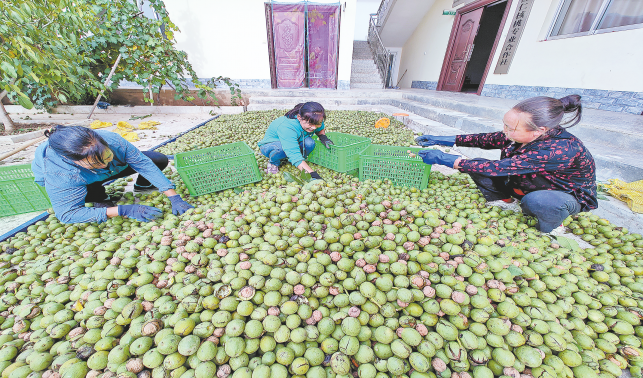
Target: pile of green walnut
x: 347, y: 279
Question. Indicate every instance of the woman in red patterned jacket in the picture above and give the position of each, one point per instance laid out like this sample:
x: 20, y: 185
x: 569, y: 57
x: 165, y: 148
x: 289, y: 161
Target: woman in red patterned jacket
x: 548, y: 169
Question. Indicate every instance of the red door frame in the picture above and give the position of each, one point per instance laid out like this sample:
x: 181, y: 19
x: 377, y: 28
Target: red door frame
x: 468, y: 8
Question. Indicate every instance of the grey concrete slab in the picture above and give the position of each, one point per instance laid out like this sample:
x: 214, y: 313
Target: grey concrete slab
x: 9, y: 223
x: 26, y: 136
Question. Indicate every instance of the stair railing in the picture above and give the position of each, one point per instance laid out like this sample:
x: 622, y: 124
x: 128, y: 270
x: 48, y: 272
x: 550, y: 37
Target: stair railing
x: 382, y: 13
x: 380, y: 54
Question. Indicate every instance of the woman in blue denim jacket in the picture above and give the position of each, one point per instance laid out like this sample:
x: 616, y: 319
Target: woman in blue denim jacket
x: 74, y: 162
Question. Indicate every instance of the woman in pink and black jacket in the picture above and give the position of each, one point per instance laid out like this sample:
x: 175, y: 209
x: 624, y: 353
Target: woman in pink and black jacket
x: 544, y: 166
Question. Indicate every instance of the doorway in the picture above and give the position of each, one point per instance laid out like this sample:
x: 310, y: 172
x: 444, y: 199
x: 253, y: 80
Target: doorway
x: 303, y: 44
x: 474, y: 38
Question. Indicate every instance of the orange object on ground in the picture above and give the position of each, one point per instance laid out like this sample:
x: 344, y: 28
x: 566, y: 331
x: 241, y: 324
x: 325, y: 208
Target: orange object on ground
x: 400, y: 115
x: 382, y: 123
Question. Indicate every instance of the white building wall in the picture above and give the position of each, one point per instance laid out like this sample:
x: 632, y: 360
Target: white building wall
x: 229, y: 38
x: 423, y: 53
x: 364, y: 8
x: 610, y: 61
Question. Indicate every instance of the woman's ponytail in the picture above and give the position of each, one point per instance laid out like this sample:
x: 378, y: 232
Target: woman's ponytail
x: 548, y: 112
x: 572, y: 104
x: 294, y: 112
x: 48, y: 132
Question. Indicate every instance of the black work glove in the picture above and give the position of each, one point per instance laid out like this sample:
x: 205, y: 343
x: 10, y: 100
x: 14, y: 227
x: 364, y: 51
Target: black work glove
x: 325, y: 141
x: 315, y: 176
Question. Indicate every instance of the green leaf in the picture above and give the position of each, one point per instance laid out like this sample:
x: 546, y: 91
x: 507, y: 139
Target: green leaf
x: 9, y: 69
x: 134, y: 117
x: 602, y: 197
x: 25, y: 102
x: 567, y: 243
x: 515, y: 271
x: 305, y: 176
x: 290, y: 178
x: 238, y: 190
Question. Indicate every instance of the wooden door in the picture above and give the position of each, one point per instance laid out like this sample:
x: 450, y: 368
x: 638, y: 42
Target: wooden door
x: 461, y: 50
x: 289, y: 31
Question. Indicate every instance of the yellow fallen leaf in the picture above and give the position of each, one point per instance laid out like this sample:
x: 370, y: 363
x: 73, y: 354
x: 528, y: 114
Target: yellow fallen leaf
x: 148, y: 125
x: 78, y: 306
x: 129, y: 136
x: 125, y: 126
x: 99, y: 124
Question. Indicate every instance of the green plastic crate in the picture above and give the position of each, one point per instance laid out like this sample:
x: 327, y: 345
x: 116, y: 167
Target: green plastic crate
x: 19, y: 193
x: 343, y: 156
x: 217, y: 168
x: 379, y: 162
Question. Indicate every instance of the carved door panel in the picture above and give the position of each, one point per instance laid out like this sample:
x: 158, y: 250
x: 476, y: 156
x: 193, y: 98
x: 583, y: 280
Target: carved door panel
x: 289, y: 44
x: 461, y: 51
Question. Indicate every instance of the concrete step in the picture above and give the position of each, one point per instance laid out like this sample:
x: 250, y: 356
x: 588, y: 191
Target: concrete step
x: 372, y: 78
x: 615, y: 129
x: 363, y: 65
x: 361, y: 75
x: 366, y: 86
x: 364, y: 70
x: 292, y: 101
x: 623, y: 163
x: 320, y: 95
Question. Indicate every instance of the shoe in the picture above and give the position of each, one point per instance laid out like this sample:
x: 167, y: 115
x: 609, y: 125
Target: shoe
x: 107, y: 202
x: 513, y: 204
x: 272, y: 169
x: 558, y: 231
x: 99, y: 205
x: 141, y: 188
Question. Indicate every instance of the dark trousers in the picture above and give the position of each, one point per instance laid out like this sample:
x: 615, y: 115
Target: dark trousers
x: 550, y: 207
x: 96, y: 190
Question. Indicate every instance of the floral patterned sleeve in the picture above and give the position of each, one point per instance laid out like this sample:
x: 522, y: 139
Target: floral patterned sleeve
x: 557, y: 158
x: 486, y: 141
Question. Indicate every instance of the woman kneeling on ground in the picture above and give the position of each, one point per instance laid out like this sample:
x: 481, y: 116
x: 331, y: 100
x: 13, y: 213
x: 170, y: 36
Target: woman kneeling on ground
x: 545, y: 167
x: 289, y: 137
x: 75, y: 161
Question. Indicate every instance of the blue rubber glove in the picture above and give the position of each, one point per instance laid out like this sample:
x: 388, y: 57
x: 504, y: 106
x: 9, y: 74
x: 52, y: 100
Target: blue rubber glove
x: 438, y: 157
x: 139, y: 212
x: 178, y: 205
x: 432, y: 140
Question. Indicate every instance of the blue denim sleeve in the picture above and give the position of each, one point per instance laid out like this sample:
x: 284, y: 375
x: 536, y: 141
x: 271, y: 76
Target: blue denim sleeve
x: 288, y: 138
x: 68, y: 201
x: 143, y: 165
x: 36, y: 166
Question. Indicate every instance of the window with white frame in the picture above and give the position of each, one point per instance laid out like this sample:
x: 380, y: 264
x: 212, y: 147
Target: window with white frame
x: 585, y: 17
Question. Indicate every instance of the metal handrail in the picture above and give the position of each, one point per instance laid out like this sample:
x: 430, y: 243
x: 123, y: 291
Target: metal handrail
x: 382, y: 13
x: 380, y: 54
